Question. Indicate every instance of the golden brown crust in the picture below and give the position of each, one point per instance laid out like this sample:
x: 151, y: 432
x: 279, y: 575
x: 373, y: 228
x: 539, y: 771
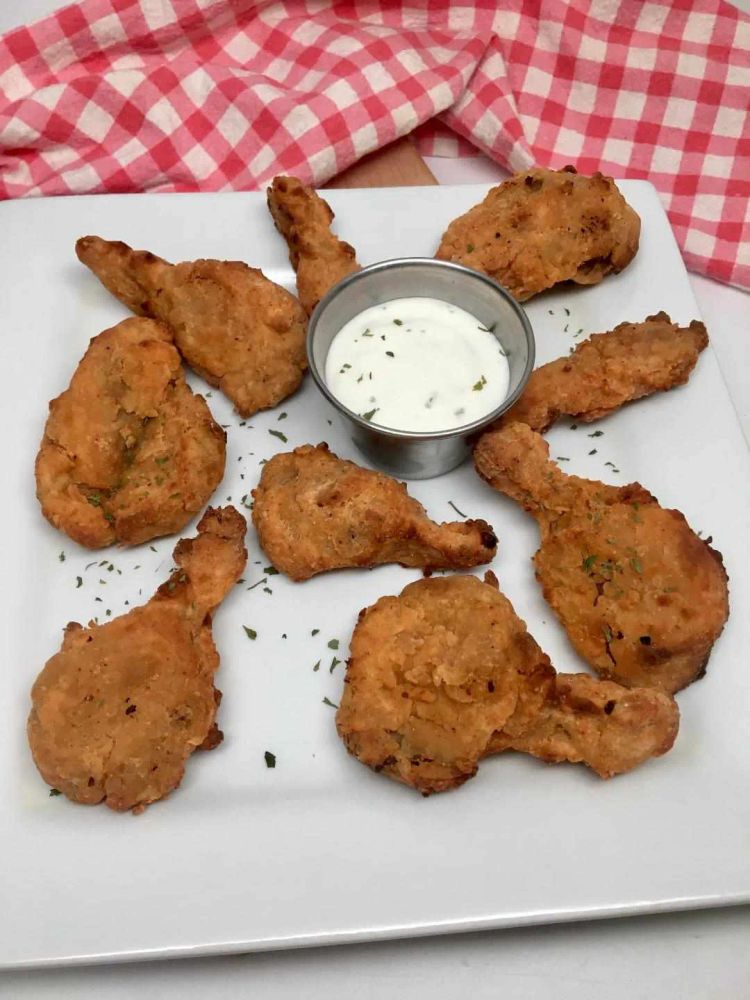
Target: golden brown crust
x: 604, y: 725
x: 240, y: 331
x: 432, y: 675
x: 319, y: 258
x: 315, y: 512
x: 541, y: 227
x: 642, y: 598
x: 446, y: 673
x: 608, y: 370
x: 128, y: 453
x: 117, y: 712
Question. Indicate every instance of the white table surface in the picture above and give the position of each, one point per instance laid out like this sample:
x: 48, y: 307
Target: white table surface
x: 687, y: 956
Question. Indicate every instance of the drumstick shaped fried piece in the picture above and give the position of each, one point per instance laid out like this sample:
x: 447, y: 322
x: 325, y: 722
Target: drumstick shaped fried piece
x: 446, y: 674
x: 604, y: 725
x: 128, y: 453
x: 315, y: 512
x: 541, y: 227
x: 117, y: 712
x: 240, y: 331
x: 642, y: 598
x: 319, y: 258
x: 608, y: 370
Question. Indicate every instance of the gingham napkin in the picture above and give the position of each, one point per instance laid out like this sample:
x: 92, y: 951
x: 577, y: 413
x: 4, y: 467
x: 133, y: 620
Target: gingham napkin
x: 187, y: 95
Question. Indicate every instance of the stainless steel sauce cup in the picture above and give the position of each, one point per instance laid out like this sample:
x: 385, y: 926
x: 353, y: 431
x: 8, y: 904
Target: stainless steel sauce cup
x: 421, y: 454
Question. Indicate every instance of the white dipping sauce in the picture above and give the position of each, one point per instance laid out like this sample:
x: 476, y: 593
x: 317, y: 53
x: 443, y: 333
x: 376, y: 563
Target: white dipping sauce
x: 417, y: 364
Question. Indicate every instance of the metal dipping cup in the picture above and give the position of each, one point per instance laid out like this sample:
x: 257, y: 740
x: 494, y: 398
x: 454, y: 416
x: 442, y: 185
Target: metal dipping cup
x: 421, y: 454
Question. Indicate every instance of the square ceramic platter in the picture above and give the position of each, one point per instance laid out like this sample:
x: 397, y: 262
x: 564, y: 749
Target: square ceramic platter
x: 320, y: 849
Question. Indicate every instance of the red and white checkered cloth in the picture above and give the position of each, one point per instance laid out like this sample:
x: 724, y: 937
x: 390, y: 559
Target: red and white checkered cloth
x: 187, y: 95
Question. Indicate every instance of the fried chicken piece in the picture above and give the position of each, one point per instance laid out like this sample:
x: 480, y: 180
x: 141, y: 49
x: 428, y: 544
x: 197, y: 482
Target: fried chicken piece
x: 446, y: 674
x: 319, y: 258
x: 606, y: 726
x: 314, y: 512
x: 541, y: 227
x: 128, y: 453
x: 642, y: 598
x: 608, y: 370
x: 241, y: 332
x: 117, y: 712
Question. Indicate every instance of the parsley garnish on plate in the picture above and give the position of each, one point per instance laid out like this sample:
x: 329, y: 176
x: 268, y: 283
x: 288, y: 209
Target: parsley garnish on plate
x: 270, y: 758
x: 327, y: 701
x: 250, y: 632
x: 459, y: 512
x: 278, y: 434
x: 479, y: 385
x: 370, y: 414
x: 333, y: 644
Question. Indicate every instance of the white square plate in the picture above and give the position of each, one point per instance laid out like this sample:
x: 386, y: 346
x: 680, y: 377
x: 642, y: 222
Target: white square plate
x: 320, y: 849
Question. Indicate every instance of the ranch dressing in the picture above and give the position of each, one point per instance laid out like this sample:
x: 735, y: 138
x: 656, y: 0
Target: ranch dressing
x: 417, y: 364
